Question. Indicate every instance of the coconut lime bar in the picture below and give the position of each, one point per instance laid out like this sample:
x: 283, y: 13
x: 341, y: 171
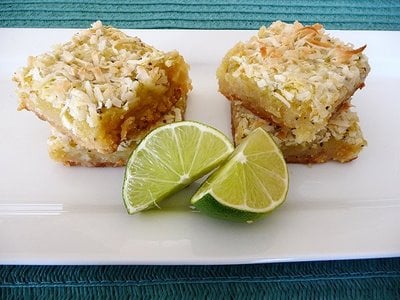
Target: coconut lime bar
x: 65, y: 150
x: 102, y: 87
x: 341, y: 140
x: 293, y: 75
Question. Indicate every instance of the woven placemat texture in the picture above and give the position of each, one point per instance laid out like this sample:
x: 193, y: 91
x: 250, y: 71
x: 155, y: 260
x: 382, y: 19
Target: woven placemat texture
x: 200, y: 14
x: 353, y: 279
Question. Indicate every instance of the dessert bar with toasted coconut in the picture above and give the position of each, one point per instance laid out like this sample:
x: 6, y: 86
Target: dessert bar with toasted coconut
x: 341, y: 140
x: 65, y: 150
x: 293, y: 75
x: 103, y: 87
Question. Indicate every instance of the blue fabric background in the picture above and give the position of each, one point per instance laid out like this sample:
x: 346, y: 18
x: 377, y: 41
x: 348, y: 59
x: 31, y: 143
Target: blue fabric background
x: 353, y: 279
x: 204, y: 14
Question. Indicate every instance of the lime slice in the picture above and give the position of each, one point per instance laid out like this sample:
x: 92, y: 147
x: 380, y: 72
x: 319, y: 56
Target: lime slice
x: 252, y: 182
x: 169, y: 159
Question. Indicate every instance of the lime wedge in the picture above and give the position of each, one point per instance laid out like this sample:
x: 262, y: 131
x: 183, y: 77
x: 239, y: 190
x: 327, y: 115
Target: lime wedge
x: 169, y: 159
x: 252, y: 182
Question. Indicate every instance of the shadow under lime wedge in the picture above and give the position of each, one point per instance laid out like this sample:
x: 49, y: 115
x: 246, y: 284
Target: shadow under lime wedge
x: 252, y: 182
x: 170, y: 158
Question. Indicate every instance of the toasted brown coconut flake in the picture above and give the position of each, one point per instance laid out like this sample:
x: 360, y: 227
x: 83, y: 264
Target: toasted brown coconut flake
x: 352, y: 51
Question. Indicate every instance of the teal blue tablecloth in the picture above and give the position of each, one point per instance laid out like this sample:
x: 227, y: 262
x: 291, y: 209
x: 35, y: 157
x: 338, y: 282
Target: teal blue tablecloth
x: 353, y: 279
x: 204, y: 14
x: 356, y: 279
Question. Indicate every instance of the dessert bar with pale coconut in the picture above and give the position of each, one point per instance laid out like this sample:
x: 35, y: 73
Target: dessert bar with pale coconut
x: 341, y: 140
x: 103, y: 87
x: 293, y: 75
x: 65, y: 150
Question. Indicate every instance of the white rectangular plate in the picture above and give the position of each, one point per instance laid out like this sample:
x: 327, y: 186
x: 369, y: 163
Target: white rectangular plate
x: 51, y: 214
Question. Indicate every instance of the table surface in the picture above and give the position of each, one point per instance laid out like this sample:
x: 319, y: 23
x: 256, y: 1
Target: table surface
x: 363, y: 279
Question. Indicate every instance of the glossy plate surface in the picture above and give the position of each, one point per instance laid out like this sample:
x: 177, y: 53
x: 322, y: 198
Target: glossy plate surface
x: 51, y: 214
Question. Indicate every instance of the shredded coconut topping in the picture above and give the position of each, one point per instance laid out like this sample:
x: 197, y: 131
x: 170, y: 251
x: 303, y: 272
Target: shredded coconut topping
x: 100, y: 68
x: 297, y: 63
